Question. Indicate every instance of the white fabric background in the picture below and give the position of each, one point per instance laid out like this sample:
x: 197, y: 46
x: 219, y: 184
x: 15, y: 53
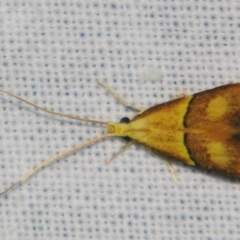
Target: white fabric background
x: 51, y: 53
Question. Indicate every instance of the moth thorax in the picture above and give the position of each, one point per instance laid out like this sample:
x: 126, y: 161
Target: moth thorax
x: 120, y: 129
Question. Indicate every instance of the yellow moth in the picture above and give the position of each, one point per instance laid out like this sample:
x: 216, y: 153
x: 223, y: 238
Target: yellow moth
x: 202, y: 129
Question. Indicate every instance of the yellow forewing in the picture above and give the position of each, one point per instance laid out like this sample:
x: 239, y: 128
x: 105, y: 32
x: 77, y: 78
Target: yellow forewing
x: 201, y: 129
x: 160, y: 128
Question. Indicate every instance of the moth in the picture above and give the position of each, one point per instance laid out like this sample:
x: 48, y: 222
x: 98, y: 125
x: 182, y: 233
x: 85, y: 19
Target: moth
x: 202, y: 130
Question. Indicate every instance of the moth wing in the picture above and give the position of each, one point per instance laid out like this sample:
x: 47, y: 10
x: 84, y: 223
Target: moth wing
x: 216, y: 113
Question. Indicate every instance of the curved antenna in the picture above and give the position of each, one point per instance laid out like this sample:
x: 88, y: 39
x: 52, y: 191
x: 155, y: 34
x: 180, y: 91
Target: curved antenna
x: 52, y: 112
x: 53, y: 159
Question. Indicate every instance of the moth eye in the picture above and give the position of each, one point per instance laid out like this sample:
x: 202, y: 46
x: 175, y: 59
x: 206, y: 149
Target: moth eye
x: 125, y: 120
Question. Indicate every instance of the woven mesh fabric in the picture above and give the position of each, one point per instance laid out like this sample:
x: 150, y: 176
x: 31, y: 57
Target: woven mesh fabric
x: 147, y: 51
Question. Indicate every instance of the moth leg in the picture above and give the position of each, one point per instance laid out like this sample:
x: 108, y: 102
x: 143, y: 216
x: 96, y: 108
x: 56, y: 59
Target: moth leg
x: 123, y: 149
x: 118, y: 98
x: 181, y: 94
x: 169, y: 165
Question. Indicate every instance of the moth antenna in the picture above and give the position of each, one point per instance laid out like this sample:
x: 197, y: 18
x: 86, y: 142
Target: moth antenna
x: 118, y: 98
x: 53, y: 159
x: 52, y: 112
x: 123, y: 149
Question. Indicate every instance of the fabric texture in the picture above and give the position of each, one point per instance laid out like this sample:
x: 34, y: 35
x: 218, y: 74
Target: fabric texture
x: 52, y: 53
